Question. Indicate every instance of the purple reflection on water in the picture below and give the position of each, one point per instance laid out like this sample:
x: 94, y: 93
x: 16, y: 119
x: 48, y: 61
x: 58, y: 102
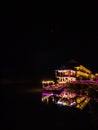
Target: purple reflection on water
x: 49, y: 94
x: 54, y: 87
x: 46, y: 94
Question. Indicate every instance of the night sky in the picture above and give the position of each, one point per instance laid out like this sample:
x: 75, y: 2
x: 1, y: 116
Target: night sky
x: 35, y: 43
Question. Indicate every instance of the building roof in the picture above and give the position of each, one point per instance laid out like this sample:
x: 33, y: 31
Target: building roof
x: 68, y: 65
x: 72, y: 63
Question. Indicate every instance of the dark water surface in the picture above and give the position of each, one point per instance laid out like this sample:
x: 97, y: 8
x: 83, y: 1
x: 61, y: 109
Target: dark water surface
x: 21, y: 108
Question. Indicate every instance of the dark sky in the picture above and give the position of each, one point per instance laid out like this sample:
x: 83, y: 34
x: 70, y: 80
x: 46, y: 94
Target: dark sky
x: 32, y: 44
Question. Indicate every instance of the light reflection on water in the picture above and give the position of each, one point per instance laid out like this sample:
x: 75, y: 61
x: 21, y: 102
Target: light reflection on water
x: 66, y: 98
x: 35, y: 90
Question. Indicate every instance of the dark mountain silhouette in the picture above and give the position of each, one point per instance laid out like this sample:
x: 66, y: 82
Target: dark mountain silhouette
x: 70, y: 64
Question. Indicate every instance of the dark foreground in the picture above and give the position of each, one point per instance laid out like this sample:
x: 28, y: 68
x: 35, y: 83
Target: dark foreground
x: 22, y: 109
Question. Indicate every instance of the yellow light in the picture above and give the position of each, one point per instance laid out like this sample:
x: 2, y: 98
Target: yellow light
x: 47, y: 82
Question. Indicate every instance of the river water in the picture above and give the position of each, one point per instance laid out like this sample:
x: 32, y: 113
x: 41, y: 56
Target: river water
x: 22, y: 109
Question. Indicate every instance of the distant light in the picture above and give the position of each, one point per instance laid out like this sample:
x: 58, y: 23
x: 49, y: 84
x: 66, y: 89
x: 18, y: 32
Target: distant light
x: 64, y: 103
x: 73, y: 103
x: 48, y: 81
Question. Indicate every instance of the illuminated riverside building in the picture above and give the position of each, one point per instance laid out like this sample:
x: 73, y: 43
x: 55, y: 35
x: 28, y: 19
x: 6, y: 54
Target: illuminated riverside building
x: 67, y: 75
x: 70, y: 75
x: 64, y: 76
x: 84, y: 73
x: 83, y: 69
x: 59, y: 93
x: 48, y: 82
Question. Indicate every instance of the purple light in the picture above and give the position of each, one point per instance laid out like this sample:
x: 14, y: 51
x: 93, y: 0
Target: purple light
x: 46, y: 94
x: 49, y: 94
